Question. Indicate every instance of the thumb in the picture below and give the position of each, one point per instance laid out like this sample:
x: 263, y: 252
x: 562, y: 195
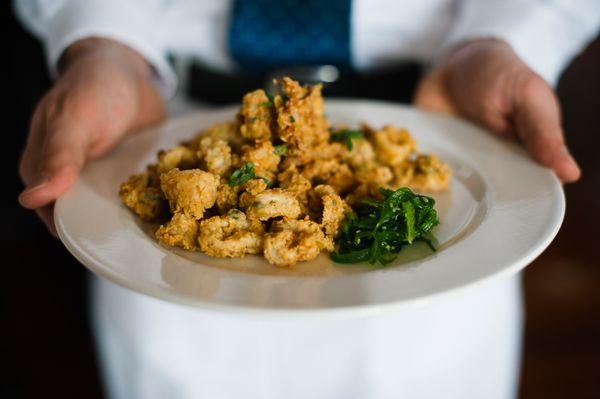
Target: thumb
x: 432, y: 93
x: 537, y: 121
x: 61, y: 157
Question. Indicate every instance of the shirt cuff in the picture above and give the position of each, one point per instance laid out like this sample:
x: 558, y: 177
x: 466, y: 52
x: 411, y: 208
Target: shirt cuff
x: 117, y: 20
x: 536, y: 33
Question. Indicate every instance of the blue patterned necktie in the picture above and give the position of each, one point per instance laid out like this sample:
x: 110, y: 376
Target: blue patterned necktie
x: 268, y: 34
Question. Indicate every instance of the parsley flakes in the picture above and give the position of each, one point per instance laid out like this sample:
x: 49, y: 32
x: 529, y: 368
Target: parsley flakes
x: 347, y: 136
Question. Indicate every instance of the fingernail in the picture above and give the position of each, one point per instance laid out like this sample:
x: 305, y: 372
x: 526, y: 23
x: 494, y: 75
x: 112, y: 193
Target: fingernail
x: 38, y: 183
x: 568, y: 166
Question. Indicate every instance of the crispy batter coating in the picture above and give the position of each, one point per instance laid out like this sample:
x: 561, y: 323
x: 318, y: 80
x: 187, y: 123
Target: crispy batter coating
x: 227, y: 196
x: 190, y: 191
x: 216, y: 155
x: 294, y: 183
x: 301, y: 120
x: 331, y: 172
x: 392, y: 145
x: 426, y: 173
x: 327, y: 150
x: 304, y: 184
x: 228, y: 132
x: 231, y: 235
x: 361, y: 156
x: 273, y: 203
x: 177, y: 157
x: 255, y: 186
x: 142, y: 196
x: 264, y: 158
x: 292, y: 241
x: 180, y: 231
x: 331, y: 210
x: 245, y: 200
x: 256, y: 115
x: 380, y: 175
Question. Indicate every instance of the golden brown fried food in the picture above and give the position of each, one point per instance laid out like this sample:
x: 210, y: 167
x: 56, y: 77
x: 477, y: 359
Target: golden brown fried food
x: 227, y: 196
x: 190, y: 191
x: 255, y: 186
x: 301, y: 120
x: 273, y: 203
x: 177, y: 157
x: 262, y: 155
x: 331, y: 211
x: 361, y: 156
x: 292, y: 241
x: 294, y: 183
x: 392, y: 145
x: 276, y: 167
x: 142, y: 196
x: 231, y: 235
x: 331, y: 172
x: 180, y: 231
x: 228, y: 132
x: 256, y: 115
x: 215, y: 155
x: 329, y: 150
x: 426, y: 173
x: 380, y: 175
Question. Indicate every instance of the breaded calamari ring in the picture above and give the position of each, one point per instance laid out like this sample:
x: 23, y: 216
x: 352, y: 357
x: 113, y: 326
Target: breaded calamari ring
x: 231, y: 235
x: 273, y: 203
x: 331, y: 210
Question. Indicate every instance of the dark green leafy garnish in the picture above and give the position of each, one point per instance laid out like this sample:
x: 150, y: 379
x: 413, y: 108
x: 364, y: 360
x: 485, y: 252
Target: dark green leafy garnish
x: 347, y: 136
x: 379, y: 230
x: 292, y: 119
x: 242, y: 175
x: 280, y: 150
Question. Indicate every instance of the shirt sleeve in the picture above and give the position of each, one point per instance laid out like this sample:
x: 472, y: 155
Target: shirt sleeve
x: 60, y: 23
x: 545, y: 34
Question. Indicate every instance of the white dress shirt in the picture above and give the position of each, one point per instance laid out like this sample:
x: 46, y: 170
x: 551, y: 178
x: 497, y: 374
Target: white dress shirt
x: 546, y: 34
x: 464, y: 345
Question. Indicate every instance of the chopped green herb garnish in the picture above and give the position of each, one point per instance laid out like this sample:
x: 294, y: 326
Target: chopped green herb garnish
x: 280, y: 150
x: 268, y: 182
x: 347, y: 136
x: 292, y: 119
x: 242, y: 175
x: 379, y: 230
x: 270, y: 102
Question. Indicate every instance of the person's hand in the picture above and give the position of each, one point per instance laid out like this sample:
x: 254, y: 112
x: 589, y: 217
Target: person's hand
x: 486, y: 82
x: 103, y: 93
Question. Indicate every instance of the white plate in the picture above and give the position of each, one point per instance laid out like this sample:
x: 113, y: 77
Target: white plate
x: 501, y: 211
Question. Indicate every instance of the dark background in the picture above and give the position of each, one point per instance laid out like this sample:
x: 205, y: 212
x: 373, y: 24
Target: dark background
x: 46, y: 343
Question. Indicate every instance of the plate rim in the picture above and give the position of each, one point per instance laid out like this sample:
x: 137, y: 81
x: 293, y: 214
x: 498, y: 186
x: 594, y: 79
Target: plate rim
x: 149, y: 289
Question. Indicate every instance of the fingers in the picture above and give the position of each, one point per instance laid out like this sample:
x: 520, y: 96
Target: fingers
x: 51, y: 167
x: 537, y: 123
x: 432, y: 93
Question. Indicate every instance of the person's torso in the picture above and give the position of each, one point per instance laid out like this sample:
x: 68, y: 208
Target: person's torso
x: 381, y: 32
